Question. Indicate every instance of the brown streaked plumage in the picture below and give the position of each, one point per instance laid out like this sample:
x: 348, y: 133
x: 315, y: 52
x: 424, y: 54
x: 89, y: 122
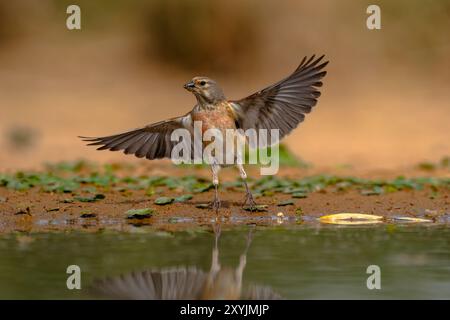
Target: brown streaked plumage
x: 282, y: 106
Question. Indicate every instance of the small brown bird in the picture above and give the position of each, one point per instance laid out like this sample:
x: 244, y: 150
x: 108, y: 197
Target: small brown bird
x: 281, y: 106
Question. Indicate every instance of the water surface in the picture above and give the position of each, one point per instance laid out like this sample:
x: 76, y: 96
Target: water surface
x: 294, y: 261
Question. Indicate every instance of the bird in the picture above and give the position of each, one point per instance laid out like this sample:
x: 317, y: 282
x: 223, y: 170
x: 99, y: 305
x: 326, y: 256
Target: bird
x: 186, y: 282
x: 282, y: 105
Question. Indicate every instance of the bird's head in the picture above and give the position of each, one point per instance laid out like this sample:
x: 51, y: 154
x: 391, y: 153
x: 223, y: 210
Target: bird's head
x: 205, y: 90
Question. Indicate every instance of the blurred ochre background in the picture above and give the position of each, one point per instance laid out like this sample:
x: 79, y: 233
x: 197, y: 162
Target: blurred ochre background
x: 384, y: 104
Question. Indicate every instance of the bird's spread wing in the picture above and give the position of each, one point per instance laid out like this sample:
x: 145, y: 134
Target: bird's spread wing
x: 152, y: 141
x: 284, y: 104
x: 167, y: 284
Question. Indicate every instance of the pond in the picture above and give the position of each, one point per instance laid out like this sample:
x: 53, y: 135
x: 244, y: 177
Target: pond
x: 293, y: 261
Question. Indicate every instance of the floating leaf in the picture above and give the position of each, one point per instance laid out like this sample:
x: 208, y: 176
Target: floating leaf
x: 164, y: 200
x: 184, y: 198
x: 351, y: 218
x: 139, y: 213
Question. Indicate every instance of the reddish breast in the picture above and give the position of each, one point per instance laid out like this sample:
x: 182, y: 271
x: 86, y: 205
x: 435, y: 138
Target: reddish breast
x: 218, y: 118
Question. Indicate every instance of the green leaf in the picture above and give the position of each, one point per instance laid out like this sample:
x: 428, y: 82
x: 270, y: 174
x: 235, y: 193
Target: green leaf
x: 202, y: 187
x: 372, y: 192
x: 164, y: 200
x: 150, y: 191
x: 268, y: 193
x: 285, y: 203
x: 299, y: 195
x: 184, y: 198
x: 139, y: 213
x: 94, y: 198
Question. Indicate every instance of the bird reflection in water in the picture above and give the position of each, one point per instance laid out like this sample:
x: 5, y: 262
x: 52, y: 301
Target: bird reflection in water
x: 186, y: 283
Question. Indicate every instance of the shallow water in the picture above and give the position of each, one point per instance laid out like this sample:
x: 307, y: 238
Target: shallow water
x: 294, y: 261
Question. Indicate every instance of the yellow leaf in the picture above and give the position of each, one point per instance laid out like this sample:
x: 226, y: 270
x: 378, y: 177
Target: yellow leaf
x: 410, y: 219
x: 351, y: 218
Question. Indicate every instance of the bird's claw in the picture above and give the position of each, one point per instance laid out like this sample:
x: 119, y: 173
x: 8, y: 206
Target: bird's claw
x: 215, y: 205
x: 249, y: 202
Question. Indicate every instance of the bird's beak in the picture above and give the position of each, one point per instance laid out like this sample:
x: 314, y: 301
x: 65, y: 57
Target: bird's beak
x: 189, y: 86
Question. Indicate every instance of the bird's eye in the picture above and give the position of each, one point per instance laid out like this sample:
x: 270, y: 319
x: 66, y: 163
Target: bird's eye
x: 202, y: 83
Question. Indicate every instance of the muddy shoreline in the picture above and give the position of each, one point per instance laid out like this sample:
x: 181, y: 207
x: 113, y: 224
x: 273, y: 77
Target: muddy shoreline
x: 38, y: 210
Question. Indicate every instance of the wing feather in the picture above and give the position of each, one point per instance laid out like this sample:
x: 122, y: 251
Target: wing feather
x: 152, y: 141
x: 284, y: 104
x: 167, y: 284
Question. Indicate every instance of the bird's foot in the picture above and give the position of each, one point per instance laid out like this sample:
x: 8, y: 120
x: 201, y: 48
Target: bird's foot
x: 215, y: 205
x: 249, y: 202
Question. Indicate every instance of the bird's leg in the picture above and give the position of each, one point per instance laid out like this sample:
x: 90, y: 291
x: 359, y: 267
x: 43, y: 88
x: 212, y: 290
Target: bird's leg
x: 248, y: 195
x: 243, y: 257
x: 215, y: 264
x: 215, y: 168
